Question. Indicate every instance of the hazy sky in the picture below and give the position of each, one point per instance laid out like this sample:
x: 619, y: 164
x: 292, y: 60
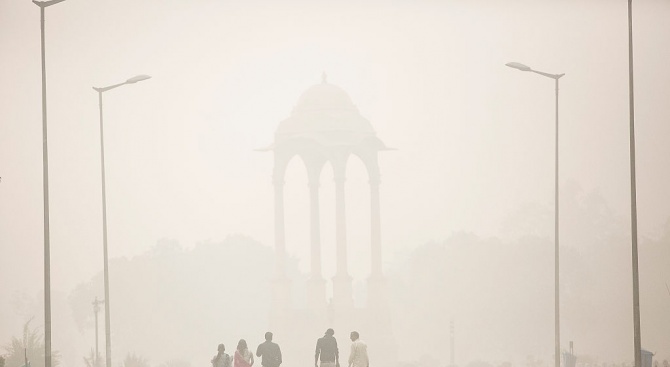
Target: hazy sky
x: 474, y: 138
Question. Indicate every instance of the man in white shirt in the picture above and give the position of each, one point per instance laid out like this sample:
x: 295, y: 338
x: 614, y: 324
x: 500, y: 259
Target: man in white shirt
x: 359, y: 352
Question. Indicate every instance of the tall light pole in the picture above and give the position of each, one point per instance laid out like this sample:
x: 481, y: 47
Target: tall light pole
x: 96, y: 309
x: 45, y: 182
x: 557, y: 324
x: 108, y: 341
x: 637, y: 340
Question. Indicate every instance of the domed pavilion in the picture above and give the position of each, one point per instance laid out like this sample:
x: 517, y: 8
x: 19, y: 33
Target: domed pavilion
x: 325, y: 126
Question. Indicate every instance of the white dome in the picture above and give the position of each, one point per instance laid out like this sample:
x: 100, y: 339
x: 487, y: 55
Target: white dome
x: 325, y: 107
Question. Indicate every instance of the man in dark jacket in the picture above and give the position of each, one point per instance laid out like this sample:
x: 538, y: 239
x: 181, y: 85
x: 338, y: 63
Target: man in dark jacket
x: 326, y: 348
x: 269, y: 351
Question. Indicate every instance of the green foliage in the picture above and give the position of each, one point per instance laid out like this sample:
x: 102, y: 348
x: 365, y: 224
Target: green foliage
x: 31, y: 344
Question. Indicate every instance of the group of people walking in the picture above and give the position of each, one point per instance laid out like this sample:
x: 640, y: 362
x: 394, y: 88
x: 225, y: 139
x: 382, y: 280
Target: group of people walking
x: 268, y: 351
x: 327, y: 353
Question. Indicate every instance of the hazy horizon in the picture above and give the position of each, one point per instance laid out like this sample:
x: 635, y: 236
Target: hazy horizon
x: 473, y: 139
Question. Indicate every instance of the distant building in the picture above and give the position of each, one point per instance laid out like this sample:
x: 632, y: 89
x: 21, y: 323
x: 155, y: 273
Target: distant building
x: 326, y: 127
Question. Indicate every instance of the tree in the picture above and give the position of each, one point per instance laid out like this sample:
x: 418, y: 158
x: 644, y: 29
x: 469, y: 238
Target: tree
x: 478, y: 363
x: 92, y: 360
x: 32, y: 345
x: 175, y: 363
x: 133, y: 360
x: 193, y: 283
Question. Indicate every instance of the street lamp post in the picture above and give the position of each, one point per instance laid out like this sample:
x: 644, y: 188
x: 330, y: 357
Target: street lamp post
x: 45, y: 182
x: 96, y: 309
x: 557, y: 325
x: 108, y: 341
x: 637, y: 339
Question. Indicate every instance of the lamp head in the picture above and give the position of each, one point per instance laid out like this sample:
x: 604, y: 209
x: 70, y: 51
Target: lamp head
x: 518, y: 66
x: 44, y: 4
x: 136, y: 79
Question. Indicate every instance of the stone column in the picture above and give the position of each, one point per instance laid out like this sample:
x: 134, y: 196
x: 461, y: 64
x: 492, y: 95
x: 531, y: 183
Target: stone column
x: 315, y: 229
x: 342, y: 293
x: 376, y: 283
x: 317, y: 285
x: 280, y: 245
x: 340, y: 227
x: 375, y: 228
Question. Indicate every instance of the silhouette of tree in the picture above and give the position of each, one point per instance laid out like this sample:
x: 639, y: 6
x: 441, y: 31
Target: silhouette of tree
x: 175, y: 363
x: 31, y: 343
x: 133, y: 360
x: 170, y: 290
x: 532, y: 361
x: 92, y: 361
x: 498, y: 289
x: 478, y: 363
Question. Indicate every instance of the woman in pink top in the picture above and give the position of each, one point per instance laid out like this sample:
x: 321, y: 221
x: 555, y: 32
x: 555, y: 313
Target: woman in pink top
x: 243, y: 357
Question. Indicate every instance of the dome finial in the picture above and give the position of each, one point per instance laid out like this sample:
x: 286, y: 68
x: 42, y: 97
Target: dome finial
x: 324, y: 78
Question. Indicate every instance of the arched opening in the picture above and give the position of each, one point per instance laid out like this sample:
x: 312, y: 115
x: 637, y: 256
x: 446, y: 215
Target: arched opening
x: 328, y: 249
x: 296, y: 225
x: 358, y: 226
